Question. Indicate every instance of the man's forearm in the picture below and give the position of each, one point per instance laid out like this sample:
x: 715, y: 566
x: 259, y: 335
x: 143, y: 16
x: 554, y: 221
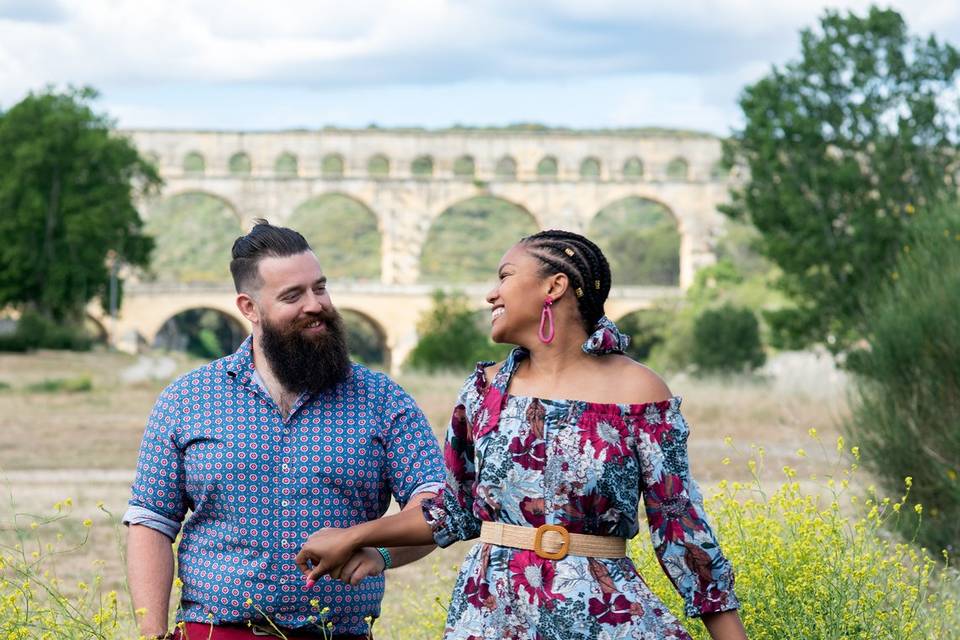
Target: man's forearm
x: 150, y: 576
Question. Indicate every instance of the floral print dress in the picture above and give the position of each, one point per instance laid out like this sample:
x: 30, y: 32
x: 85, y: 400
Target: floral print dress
x: 584, y: 466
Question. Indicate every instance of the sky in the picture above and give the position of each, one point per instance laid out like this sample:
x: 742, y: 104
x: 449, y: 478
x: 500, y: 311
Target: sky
x: 431, y: 63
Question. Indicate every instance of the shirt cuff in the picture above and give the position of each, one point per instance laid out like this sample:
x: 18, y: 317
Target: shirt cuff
x: 151, y: 519
x: 426, y: 487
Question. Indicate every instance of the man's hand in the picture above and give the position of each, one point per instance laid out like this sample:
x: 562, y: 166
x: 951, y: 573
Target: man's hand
x: 364, y: 563
x: 325, y: 551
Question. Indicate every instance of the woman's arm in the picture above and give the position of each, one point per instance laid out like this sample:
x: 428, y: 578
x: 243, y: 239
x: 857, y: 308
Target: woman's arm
x: 725, y: 625
x: 328, y: 549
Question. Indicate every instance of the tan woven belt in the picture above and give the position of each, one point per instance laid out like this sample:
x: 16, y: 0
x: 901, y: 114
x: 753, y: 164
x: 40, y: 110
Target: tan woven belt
x: 552, y: 542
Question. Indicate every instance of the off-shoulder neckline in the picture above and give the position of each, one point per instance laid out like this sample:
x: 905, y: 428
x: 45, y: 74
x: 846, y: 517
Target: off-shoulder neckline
x: 632, y: 408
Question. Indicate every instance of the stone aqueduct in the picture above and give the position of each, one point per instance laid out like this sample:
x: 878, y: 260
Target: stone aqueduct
x: 408, y: 179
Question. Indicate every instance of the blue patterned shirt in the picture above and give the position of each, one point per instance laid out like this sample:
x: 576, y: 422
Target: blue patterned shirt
x: 257, y: 485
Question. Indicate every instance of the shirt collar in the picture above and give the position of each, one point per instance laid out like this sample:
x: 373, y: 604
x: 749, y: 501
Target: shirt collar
x: 239, y: 364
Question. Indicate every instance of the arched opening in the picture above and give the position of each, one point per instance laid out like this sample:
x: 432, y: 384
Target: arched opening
x: 201, y: 332
x: 239, y: 164
x: 422, y: 167
x: 367, y: 342
x: 343, y: 233
x: 194, y: 164
x: 506, y: 168
x: 647, y: 329
x: 194, y: 233
x: 547, y: 167
x: 590, y: 168
x: 286, y: 165
x: 378, y: 166
x: 678, y: 169
x: 641, y: 241
x: 633, y: 169
x: 95, y: 329
x: 332, y: 165
x: 467, y: 241
x: 719, y: 170
x: 464, y: 167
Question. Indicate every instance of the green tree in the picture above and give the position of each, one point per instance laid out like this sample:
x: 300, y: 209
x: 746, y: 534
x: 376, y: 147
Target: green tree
x: 67, y: 186
x: 451, y: 338
x: 843, y: 146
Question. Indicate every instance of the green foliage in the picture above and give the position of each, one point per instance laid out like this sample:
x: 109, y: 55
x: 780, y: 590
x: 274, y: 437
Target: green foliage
x: 194, y: 233
x: 78, y: 384
x: 464, y: 167
x: 590, y: 169
x: 678, y: 169
x: 194, y: 164
x: 547, y: 167
x: 364, y: 339
x: 727, y: 339
x: 842, y: 146
x: 204, y: 333
x: 286, y: 165
x: 907, y: 398
x: 35, y: 331
x: 466, y: 242
x: 633, y: 169
x: 647, y: 330
x: 344, y: 235
x: 640, y: 240
x: 451, y: 337
x: 67, y: 187
x: 378, y: 166
x: 422, y: 166
x: 332, y: 166
x: 239, y: 164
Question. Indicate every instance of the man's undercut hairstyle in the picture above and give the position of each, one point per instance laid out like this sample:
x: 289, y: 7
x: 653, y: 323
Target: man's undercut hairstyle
x: 581, y: 261
x: 263, y: 241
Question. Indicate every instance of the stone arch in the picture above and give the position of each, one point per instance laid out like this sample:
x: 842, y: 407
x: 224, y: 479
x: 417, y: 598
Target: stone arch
x: 332, y: 165
x: 96, y: 329
x: 205, y: 332
x: 547, y: 167
x: 467, y: 239
x: 366, y: 338
x: 464, y: 167
x: 194, y: 164
x: 286, y: 165
x: 678, y: 169
x: 633, y: 169
x: 590, y: 168
x: 344, y: 233
x: 641, y: 240
x: 422, y: 167
x: 506, y: 168
x: 239, y: 164
x: 378, y: 166
x: 194, y: 232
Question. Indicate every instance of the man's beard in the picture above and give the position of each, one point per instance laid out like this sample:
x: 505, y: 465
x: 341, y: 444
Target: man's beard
x: 307, y: 364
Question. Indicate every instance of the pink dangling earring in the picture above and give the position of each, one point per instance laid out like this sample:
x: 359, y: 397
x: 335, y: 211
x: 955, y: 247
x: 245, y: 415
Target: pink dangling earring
x: 546, y: 316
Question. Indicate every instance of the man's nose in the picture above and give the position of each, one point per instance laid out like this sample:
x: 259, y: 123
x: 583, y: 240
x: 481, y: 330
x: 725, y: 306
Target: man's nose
x: 314, y: 303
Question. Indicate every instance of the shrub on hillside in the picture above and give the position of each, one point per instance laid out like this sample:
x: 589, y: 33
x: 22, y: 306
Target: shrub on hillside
x: 727, y: 339
x: 907, y: 398
x: 35, y: 331
x: 451, y: 337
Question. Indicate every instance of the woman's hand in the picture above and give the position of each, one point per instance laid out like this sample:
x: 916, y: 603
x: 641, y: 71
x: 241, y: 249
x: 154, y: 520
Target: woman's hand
x: 364, y: 563
x: 325, y: 552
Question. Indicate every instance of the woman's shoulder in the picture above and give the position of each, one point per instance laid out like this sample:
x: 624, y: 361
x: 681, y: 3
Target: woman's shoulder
x: 635, y: 380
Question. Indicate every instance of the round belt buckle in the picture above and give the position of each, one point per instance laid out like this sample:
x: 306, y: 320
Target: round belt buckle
x: 538, y: 542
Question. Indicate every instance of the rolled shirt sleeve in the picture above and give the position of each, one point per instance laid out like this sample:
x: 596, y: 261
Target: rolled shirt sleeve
x: 414, y: 464
x: 158, y: 497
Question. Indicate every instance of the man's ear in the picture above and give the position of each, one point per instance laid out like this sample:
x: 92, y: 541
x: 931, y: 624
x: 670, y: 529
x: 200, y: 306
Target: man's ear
x: 248, y: 307
x: 558, y: 285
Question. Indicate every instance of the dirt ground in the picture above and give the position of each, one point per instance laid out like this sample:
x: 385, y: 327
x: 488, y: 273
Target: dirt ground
x: 83, y: 446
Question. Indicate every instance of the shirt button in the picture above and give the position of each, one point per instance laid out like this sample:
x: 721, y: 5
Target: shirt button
x: 285, y: 503
x: 286, y: 467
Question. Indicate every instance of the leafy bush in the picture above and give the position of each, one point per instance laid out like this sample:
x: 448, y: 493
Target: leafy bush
x: 451, y: 338
x: 77, y: 384
x: 806, y: 569
x: 35, y: 331
x: 727, y: 339
x: 907, y: 398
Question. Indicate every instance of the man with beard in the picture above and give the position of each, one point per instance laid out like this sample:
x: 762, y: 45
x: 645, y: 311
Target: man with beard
x: 264, y: 447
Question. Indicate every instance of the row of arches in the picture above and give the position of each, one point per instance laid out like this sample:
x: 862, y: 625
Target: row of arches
x: 379, y: 166
x: 194, y: 233
x: 210, y: 333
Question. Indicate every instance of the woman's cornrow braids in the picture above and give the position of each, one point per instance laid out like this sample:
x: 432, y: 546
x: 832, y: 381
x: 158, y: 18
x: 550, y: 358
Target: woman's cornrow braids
x: 582, y: 262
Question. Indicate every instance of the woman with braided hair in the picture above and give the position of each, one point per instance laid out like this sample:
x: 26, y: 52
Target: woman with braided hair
x: 548, y: 455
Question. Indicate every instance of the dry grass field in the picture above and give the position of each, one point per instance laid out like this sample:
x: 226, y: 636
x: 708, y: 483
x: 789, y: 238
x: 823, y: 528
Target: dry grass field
x: 83, y: 446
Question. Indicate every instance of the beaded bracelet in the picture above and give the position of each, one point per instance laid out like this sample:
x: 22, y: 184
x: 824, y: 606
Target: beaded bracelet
x: 387, y: 560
